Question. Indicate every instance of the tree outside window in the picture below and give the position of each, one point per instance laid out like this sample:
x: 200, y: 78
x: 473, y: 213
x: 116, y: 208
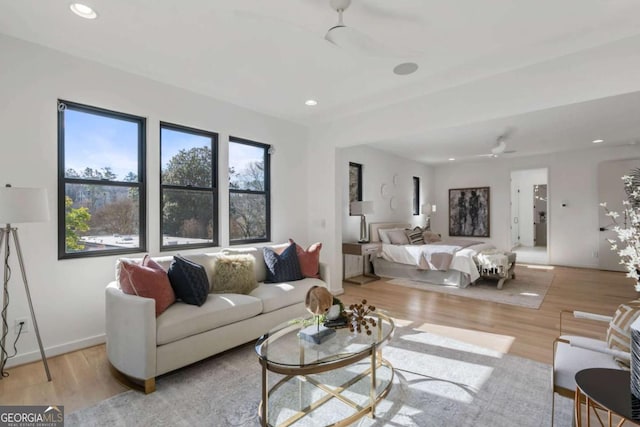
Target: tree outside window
x: 249, y: 193
x: 189, y: 193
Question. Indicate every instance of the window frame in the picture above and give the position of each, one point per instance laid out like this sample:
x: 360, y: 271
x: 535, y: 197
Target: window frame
x: 213, y: 189
x: 140, y: 185
x: 266, y: 192
x: 416, y: 195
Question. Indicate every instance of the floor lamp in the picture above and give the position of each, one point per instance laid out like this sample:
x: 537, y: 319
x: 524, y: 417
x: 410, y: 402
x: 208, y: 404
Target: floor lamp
x: 19, y: 205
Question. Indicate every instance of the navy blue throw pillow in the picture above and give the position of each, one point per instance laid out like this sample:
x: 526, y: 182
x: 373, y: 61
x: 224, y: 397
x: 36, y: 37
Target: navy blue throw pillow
x: 189, y: 281
x: 284, y: 267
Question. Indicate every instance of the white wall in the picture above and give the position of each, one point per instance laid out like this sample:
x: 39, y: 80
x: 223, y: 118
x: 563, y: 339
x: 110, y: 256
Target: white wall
x: 572, y: 178
x: 68, y: 295
x: 378, y: 169
x: 524, y: 180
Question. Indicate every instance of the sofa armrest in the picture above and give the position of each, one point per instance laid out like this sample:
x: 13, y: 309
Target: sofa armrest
x: 131, y: 333
x: 325, y: 273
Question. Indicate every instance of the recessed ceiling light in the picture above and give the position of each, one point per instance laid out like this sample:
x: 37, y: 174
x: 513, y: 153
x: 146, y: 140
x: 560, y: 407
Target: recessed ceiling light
x: 83, y: 11
x: 451, y: 159
x: 405, y: 68
x: 311, y: 102
x: 598, y: 141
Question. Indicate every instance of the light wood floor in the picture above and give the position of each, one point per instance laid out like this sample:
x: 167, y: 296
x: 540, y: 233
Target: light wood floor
x: 82, y: 378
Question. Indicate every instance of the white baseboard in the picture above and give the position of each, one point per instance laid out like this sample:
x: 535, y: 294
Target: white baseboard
x: 56, y: 350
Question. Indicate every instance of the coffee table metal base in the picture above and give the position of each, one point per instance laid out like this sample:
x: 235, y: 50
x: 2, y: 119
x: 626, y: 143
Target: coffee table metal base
x: 332, y: 392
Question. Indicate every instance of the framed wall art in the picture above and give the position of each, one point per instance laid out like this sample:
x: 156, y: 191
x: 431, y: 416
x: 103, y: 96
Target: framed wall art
x: 355, y: 183
x: 469, y: 212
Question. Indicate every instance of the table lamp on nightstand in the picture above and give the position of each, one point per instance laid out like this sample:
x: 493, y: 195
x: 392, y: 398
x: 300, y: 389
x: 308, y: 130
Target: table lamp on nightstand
x: 362, y: 209
x: 18, y: 205
x: 428, y: 209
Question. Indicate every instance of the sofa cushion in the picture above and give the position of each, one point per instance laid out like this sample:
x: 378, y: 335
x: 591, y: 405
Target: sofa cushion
x: 278, y: 295
x: 282, y: 267
x: 148, y: 280
x: 189, y: 281
x: 309, y: 260
x: 183, y: 320
x: 234, y: 274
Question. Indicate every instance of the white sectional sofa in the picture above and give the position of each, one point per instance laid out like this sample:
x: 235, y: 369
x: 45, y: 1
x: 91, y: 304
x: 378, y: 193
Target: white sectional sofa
x: 142, y: 347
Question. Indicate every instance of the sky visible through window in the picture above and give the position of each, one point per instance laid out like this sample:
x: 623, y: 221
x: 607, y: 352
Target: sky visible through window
x: 173, y: 141
x: 94, y: 141
x: 242, y: 155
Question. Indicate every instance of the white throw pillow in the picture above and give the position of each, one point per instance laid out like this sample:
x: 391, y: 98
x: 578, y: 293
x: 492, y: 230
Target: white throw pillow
x: 383, y: 233
x: 398, y: 237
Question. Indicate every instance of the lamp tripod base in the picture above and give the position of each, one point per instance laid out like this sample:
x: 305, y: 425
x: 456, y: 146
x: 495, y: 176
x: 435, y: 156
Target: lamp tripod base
x: 5, y: 236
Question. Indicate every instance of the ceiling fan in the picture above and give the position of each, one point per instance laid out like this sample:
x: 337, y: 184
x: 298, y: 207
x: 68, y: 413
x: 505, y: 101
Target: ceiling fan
x: 500, y: 147
x: 350, y: 38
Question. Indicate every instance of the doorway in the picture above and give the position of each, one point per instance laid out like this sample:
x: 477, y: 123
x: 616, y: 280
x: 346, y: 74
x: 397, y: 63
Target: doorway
x: 529, y: 215
x: 611, y: 191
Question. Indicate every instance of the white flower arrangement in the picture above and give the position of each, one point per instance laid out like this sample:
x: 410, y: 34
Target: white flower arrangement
x: 628, y: 243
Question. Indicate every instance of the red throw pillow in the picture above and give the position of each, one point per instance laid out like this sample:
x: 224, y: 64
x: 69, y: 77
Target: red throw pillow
x: 147, y: 279
x: 309, y: 260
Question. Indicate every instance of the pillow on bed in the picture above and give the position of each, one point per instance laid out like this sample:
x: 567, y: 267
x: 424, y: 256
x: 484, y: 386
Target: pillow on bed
x: 415, y: 235
x: 397, y: 237
x: 384, y: 234
x: 431, y: 237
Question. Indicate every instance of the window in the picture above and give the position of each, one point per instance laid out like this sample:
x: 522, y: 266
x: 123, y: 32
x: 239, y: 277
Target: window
x: 189, y: 197
x: 249, y: 198
x: 416, y: 195
x: 101, y: 187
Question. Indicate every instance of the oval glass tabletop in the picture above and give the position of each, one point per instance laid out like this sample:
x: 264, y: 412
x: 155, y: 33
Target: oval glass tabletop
x: 283, y: 345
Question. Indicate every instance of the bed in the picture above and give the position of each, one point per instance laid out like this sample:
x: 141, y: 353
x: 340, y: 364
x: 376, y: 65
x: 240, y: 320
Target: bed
x: 449, y: 262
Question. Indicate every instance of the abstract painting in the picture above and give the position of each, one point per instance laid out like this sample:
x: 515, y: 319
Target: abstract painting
x: 355, y: 183
x: 469, y: 212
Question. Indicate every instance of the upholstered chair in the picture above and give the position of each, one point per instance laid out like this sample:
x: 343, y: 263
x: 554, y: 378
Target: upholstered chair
x: 572, y: 353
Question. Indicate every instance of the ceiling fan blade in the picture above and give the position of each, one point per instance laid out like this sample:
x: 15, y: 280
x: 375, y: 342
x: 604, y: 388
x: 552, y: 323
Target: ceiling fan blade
x: 353, y: 40
x: 391, y: 10
x: 500, y: 146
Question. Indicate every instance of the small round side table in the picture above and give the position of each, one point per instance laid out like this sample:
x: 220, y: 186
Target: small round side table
x: 609, y: 390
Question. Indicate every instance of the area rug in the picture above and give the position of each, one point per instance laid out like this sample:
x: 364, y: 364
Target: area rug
x: 438, y: 381
x: 526, y: 290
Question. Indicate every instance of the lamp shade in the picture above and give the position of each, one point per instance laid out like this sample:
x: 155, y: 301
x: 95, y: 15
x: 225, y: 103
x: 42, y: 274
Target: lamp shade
x: 428, y: 208
x: 361, y: 208
x: 18, y: 205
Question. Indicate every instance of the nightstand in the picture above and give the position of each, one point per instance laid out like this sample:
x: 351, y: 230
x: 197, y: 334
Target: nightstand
x: 364, y: 250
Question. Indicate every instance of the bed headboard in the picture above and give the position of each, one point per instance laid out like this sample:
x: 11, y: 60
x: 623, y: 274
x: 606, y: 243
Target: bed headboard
x: 375, y: 226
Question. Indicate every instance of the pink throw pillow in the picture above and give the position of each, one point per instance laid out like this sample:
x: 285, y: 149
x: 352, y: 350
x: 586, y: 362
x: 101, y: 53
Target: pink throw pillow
x: 147, y: 279
x: 309, y: 260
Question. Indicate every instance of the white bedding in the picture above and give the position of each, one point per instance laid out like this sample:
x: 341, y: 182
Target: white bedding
x: 440, y: 256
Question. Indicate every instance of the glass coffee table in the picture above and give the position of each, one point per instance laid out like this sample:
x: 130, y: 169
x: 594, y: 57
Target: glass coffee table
x: 333, y: 383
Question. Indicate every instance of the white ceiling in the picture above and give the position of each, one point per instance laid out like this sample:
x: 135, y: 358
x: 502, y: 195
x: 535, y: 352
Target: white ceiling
x: 270, y: 56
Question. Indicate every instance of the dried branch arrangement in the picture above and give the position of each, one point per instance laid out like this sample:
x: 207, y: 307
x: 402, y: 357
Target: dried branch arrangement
x: 358, y: 319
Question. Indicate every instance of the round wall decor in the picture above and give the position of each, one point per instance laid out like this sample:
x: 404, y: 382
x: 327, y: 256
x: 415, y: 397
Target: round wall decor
x: 385, y: 191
